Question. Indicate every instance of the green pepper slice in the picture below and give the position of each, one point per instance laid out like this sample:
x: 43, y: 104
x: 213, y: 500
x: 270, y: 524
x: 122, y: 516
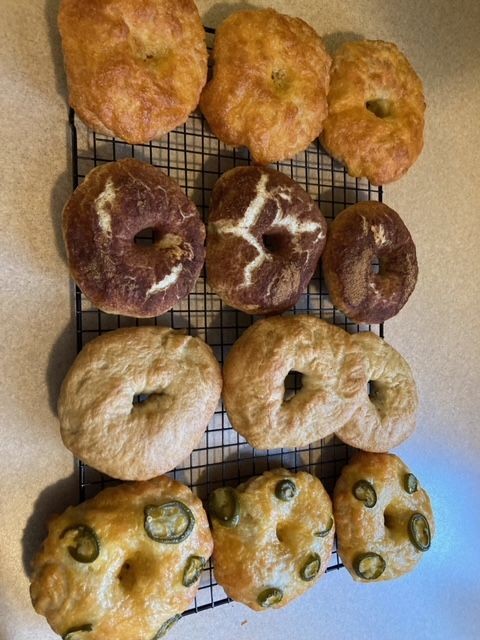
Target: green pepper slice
x: 166, y: 626
x: 85, y: 547
x: 369, y: 566
x: 419, y: 532
x: 224, y: 506
x: 285, y: 490
x: 70, y: 634
x: 325, y: 532
x: 364, y: 491
x: 311, y: 567
x: 410, y: 483
x: 169, y: 523
x: 192, y: 571
x: 269, y: 597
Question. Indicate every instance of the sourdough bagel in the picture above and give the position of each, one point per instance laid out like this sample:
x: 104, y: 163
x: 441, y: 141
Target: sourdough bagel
x: 383, y: 518
x: 124, y: 564
x: 101, y: 420
x: 273, y: 537
x: 265, y: 236
x: 358, y: 235
x: 375, y: 111
x: 269, y: 85
x: 387, y: 407
x: 114, y: 203
x: 334, y: 379
x: 135, y: 70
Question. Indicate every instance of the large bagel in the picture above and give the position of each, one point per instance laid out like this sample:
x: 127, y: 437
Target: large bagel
x: 103, y: 424
x: 375, y: 111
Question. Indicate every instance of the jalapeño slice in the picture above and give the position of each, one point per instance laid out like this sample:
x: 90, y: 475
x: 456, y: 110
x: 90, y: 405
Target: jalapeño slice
x: 224, y: 506
x: 311, y: 567
x: 166, y: 626
x: 369, y: 566
x: 269, y: 597
x: 84, y: 545
x: 364, y: 491
x: 193, y: 569
x: 410, y: 483
x: 169, y: 523
x: 326, y: 531
x: 285, y: 490
x: 419, y: 532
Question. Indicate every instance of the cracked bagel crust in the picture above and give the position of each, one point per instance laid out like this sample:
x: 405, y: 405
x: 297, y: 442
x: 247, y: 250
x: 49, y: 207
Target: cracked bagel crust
x: 387, y: 417
x: 135, y: 584
x: 99, y: 422
x: 379, y: 147
x: 250, y: 208
x: 269, y: 85
x: 114, y: 203
x: 358, y: 235
x: 273, y: 539
x: 135, y: 70
x: 334, y: 377
x: 383, y: 528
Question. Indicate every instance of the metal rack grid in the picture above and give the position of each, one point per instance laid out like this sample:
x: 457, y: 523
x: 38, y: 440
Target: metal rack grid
x: 193, y: 156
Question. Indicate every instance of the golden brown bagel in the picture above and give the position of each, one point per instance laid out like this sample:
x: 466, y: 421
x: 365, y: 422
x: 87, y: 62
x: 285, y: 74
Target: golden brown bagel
x: 269, y: 86
x: 279, y: 541
x: 135, y: 70
x: 375, y: 111
x: 100, y: 571
x: 383, y: 518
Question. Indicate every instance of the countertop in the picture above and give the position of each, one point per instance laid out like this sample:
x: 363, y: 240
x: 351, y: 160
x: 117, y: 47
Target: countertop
x: 438, y: 331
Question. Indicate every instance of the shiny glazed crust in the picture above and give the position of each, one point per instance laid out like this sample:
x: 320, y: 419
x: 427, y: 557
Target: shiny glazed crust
x: 115, y: 202
x: 269, y: 87
x: 360, y: 233
x: 98, y: 420
x: 387, y: 417
x: 361, y: 529
x: 273, y: 539
x: 135, y: 70
x: 381, y: 149
x: 252, y: 206
x: 334, y: 378
x: 135, y: 584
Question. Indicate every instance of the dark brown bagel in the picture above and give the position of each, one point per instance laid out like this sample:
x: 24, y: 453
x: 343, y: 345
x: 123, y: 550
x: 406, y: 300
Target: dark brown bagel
x: 265, y: 236
x: 358, y: 235
x: 100, y: 221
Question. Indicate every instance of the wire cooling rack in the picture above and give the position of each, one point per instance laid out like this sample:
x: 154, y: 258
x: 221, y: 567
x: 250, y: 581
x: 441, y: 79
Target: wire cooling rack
x: 195, y: 158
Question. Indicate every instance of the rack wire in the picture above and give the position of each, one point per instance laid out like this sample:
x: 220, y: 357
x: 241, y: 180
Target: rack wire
x: 195, y: 158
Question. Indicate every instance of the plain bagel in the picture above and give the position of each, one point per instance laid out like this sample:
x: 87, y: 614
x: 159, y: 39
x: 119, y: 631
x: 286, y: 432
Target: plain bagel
x: 334, y: 377
x: 178, y: 381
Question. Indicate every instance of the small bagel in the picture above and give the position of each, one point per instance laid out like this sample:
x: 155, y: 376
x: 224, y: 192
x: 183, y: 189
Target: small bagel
x: 269, y: 85
x: 265, y: 236
x: 383, y: 518
x: 101, y: 421
x: 358, y: 235
x: 114, y: 203
x: 375, y: 111
x: 334, y: 378
x: 124, y: 564
x: 135, y: 70
x: 386, y: 412
x: 273, y: 537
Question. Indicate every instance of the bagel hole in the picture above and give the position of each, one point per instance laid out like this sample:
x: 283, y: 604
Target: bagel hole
x: 389, y: 519
x: 279, y: 77
x: 145, y: 236
x: 293, y: 384
x: 280, y: 532
x: 274, y: 242
x: 375, y: 265
x: 142, y: 398
x: 372, y: 391
x: 381, y: 107
x: 126, y: 575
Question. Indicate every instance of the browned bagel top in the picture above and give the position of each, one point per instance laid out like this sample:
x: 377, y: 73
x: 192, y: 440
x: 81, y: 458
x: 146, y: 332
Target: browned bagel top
x: 117, y: 201
x: 358, y: 235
